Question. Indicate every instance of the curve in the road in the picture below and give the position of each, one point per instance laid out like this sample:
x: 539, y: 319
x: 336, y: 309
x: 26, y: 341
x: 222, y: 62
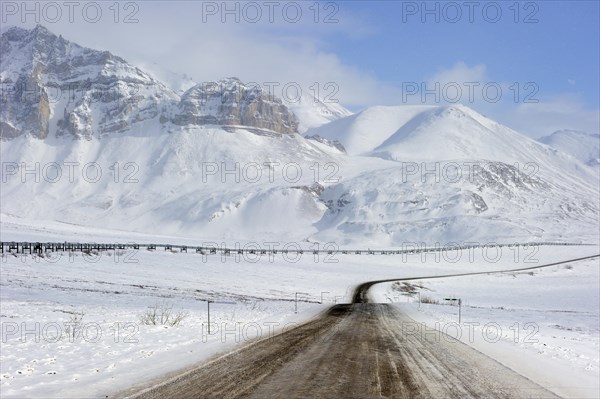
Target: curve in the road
x: 360, y: 292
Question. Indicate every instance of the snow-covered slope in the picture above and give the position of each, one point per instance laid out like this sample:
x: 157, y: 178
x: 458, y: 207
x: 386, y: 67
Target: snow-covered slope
x: 313, y: 112
x: 581, y: 145
x: 364, y: 131
x: 212, y: 184
x: 480, y: 201
x: 202, y: 182
x: 460, y: 175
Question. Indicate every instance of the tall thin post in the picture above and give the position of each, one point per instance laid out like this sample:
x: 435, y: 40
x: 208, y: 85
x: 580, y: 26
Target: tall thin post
x: 208, y: 306
x: 459, y: 310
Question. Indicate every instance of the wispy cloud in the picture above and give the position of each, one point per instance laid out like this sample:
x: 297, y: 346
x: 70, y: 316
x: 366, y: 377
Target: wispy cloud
x: 565, y: 111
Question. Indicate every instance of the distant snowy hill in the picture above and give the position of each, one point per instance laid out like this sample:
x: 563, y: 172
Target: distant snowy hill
x: 442, y: 133
x: 581, y: 145
x: 226, y: 161
x: 366, y: 130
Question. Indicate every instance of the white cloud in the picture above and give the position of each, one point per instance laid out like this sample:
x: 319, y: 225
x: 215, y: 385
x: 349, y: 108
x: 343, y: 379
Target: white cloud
x: 174, y: 36
x: 459, y: 73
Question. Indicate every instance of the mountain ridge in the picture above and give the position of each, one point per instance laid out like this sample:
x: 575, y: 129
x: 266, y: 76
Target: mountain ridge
x: 54, y: 86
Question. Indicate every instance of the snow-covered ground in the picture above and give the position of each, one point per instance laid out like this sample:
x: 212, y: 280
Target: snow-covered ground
x: 542, y: 323
x: 114, y: 350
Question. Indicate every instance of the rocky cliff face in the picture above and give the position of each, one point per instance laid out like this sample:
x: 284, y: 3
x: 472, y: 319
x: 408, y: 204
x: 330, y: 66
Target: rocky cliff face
x: 230, y: 102
x: 51, y: 86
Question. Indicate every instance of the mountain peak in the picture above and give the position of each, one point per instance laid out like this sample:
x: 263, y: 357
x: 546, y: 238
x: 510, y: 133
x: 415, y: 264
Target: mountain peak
x: 572, y: 132
x: 38, y: 33
x: 369, y: 128
x: 41, y: 30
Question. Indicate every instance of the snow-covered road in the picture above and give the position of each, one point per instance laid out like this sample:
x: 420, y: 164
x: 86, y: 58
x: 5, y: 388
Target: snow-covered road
x: 360, y: 350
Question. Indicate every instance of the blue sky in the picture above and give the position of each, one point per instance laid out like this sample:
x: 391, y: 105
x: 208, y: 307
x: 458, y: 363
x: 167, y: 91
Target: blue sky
x: 372, y: 52
x: 560, y: 51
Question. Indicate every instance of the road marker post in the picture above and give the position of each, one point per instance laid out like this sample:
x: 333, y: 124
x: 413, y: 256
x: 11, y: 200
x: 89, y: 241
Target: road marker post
x: 296, y: 301
x: 208, y: 302
x: 208, y: 307
x: 453, y: 300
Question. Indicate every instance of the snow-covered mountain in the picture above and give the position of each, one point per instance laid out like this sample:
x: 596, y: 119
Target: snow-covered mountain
x: 443, y: 133
x: 581, y: 145
x: 225, y: 161
x: 53, y: 85
x: 365, y: 130
x: 456, y: 167
x: 310, y: 111
x: 158, y: 146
